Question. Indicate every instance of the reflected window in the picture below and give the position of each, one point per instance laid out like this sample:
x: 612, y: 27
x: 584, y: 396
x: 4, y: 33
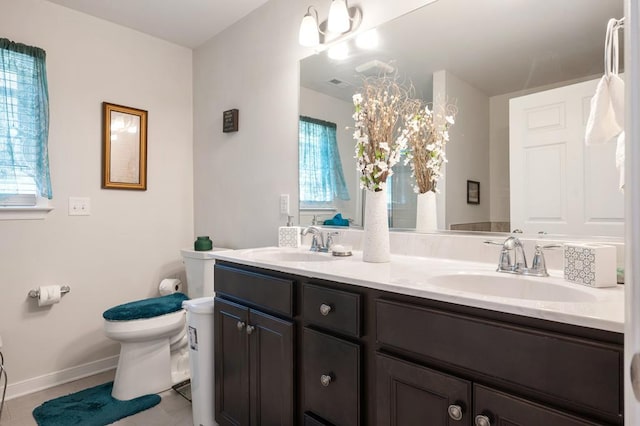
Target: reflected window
x: 320, y: 169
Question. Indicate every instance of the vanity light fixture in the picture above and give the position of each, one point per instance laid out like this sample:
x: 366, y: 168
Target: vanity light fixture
x: 339, y: 23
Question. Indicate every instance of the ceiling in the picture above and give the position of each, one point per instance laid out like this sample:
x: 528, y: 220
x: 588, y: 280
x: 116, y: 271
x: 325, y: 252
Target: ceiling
x: 497, y: 46
x: 188, y: 23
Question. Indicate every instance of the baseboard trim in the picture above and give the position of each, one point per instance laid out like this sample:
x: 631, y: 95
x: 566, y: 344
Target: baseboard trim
x: 25, y: 387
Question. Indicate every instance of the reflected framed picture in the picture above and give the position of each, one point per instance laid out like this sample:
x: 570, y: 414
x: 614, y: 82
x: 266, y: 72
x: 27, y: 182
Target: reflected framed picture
x: 124, y: 147
x: 473, y: 192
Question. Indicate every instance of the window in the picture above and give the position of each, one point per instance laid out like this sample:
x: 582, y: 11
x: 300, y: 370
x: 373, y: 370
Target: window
x: 24, y: 125
x: 320, y: 168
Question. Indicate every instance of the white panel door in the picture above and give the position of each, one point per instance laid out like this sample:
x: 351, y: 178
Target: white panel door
x: 559, y: 185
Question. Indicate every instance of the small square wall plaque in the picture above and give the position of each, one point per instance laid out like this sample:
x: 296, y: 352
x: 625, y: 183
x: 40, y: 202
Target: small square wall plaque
x: 230, y: 121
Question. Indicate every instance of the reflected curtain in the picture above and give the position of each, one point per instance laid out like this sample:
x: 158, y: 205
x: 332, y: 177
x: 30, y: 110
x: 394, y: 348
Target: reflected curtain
x: 24, y: 120
x: 320, y: 168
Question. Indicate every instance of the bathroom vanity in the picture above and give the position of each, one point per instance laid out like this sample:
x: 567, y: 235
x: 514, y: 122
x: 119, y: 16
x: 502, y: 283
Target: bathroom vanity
x: 311, y: 340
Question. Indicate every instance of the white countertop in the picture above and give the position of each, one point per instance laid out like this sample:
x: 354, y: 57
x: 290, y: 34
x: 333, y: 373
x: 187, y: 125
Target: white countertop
x: 600, y: 308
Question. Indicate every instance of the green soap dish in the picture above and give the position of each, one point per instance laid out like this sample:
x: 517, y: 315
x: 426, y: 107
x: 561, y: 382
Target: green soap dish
x: 203, y: 244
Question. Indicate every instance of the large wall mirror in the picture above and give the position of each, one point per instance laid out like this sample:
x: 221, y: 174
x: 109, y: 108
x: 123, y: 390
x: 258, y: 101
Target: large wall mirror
x: 522, y: 74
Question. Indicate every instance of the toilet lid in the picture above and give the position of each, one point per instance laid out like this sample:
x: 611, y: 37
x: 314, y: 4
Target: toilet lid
x: 146, y: 308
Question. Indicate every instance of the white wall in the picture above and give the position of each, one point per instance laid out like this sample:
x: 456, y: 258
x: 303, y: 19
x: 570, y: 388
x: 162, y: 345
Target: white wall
x: 467, y: 150
x: 318, y: 105
x: 132, y: 238
x: 499, y: 157
x: 253, y: 66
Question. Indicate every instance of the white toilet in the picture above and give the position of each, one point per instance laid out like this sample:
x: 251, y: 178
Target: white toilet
x: 152, y: 334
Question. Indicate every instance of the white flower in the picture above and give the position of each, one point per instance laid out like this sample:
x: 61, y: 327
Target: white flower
x: 357, y: 99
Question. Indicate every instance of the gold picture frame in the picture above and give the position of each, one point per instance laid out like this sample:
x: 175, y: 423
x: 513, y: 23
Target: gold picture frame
x: 124, y: 147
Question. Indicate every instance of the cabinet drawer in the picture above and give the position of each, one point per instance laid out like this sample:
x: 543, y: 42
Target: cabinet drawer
x: 271, y: 293
x: 572, y: 371
x: 332, y: 309
x: 338, y: 400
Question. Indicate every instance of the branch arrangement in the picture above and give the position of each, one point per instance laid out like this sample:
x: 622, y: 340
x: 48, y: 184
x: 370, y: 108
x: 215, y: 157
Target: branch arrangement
x: 380, y: 137
x: 428, y: 136
x: 388, y: 124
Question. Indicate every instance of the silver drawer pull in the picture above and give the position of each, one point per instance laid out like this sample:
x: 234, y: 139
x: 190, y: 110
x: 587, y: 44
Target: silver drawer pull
x: 325, y: 380
x: 250, y: 329
x: 325, y: 309
x: 240, y: 325
x: 455, y: 412
x: 482, y: 421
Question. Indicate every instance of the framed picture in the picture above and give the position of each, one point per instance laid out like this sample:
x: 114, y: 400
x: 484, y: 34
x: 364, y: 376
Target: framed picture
x: 473, y: 192
x: 124, y: 147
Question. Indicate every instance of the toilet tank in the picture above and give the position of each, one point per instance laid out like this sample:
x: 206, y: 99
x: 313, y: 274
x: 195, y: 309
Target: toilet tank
x: 199, y: 268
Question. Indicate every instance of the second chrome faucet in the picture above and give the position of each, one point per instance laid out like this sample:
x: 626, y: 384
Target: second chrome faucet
x: 517, y: 264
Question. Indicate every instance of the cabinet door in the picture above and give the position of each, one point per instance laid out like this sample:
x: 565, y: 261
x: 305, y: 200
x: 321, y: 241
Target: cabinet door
x: 271, y: 361
x: 501, y: 409
x: 409, y: 394
x: 231, y: 363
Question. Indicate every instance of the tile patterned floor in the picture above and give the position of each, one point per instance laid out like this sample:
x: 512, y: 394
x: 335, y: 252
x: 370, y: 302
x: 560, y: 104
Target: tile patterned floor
x: 173, y: 410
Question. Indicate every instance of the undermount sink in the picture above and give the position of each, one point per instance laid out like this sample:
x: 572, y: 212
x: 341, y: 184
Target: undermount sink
x: 283, y: 255
x: 511, y: 286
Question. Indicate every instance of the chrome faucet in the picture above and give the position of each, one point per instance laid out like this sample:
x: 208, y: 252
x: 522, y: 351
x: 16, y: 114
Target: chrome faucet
x: 518, y: 264
x: 318, y: 242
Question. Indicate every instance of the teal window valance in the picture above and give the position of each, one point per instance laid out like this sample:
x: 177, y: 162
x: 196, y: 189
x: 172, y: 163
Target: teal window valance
x: 321, y: 177
x: 24, y: 121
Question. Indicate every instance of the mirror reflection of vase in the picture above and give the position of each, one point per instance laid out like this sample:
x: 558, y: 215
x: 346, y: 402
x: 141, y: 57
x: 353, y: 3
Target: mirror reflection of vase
x: 426, y: 212
x: 375, y: 240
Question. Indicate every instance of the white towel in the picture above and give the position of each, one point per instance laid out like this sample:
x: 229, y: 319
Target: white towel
x: 602, y: 125
x: 606, y: 118
x: 616, y: 93
x: 620, y: 159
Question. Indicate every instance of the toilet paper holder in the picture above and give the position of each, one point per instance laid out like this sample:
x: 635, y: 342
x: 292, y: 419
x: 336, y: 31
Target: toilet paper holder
x: 36, y: 292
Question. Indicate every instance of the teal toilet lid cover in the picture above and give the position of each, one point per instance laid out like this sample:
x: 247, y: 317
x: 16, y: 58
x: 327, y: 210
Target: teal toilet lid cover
x: 146, y: 308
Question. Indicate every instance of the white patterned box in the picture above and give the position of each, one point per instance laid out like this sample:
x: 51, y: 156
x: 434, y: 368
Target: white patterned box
x: 593, y: 265
x: 289, y: 236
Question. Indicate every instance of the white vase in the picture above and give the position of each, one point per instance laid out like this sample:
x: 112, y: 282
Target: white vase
x: 426, y: 212
x: 375, y: 244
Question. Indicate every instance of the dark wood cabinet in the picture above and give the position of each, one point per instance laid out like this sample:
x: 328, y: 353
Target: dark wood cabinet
x: 363, y: 356
x: 542, y: 363
x: 253, y: 366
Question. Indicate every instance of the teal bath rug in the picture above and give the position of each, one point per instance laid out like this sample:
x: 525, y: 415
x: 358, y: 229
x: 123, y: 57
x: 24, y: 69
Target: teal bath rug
x: 90, y: 407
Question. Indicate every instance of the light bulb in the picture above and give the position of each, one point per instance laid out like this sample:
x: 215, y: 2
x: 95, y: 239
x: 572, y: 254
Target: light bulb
x: 309, y: 35
x: 368, y: 39
x: 339, y: 52
x: 338, y: 21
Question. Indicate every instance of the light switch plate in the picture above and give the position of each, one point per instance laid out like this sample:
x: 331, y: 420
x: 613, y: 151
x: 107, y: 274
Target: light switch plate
x: 284, y: 204
x: 79, y: 206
